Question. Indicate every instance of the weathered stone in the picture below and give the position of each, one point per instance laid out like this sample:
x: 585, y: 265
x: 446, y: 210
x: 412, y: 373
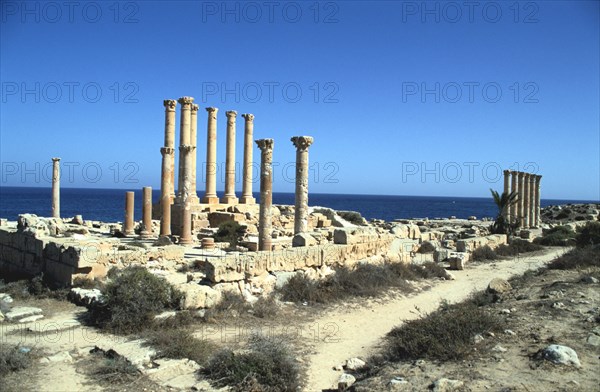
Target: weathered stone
x: 355, y: 364
x: 302, y: 143
x: 446, y: 385
x: 198, y: 296
x: 345, y: 381
x: 561, y: 355
x: 498, y: 286
x: 19, y: 312
x: 303, y: 239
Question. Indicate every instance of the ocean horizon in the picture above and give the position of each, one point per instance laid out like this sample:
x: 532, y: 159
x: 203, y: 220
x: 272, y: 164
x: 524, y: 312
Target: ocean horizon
x: 108, y: 205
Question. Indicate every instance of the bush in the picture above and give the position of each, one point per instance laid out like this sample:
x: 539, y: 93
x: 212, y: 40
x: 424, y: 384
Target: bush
x: 265, y: 307
x: 179, y: 343
x: 268, y: 366
x: 352, y: 217
x: 557, y: 236
x: 426, y: 247
x: 229, y: 231
x: 516, y: 247
x: 12, y: 359
x: 132, y: 299
x: 115, y: 370
x: 35, y: 287
x: 446, y: 334
x: 588, y: 234
x: 484, y: 253
x: 577, y: 258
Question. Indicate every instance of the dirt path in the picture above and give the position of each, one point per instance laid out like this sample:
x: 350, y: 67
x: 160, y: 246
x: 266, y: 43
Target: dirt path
x: 356, y: 332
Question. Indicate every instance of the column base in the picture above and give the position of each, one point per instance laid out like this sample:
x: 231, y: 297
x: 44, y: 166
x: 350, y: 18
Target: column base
x: 194, y: 199
x: 247, y: 200
x: 145, y: 235
x: 210, y: 200
x: 229, y: 200
x: 186, y: 241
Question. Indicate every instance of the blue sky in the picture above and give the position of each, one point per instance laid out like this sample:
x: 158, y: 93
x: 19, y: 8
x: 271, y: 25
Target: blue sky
x: 405, y: 98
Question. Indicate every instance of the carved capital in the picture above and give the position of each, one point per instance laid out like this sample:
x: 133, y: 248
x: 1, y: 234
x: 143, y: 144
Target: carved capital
x: 248, y: 117
x: 521, y: 175
x: 185, y: 101
x: 170, y: 105
x: 264, y: 144
x: 55, y: 159
x: 231, y: 114
x: 185, y: 148
x: 302, y: 142
x: 195, y: 109
x: 167, y: 151
x: 538, y: 178
x: 506, y: 172
x: 212, y: 110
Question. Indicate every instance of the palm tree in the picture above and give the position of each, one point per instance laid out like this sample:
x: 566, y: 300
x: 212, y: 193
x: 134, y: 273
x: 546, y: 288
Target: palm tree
x: 503, y: 202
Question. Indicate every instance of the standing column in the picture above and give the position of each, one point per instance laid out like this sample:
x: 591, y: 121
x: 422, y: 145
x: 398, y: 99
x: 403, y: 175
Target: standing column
x: 247, y: 197
x: 194, y: 158
x: 128, y: 227
x: 185, y: 154
x: 266, y: 194
x: 507, y: 191
x: 526, y: 200
x: 146, y: 212
x: 184, y: 139
x: 532, y: 199
x: 56, y: 187
x: 166, y: 185
x: 513, y: 187
x: 521, y: 202
x: 170, y: 105
x: 538, y: 201
x: 301, y: 212
x: 210, y: 196
x: 229, y: 197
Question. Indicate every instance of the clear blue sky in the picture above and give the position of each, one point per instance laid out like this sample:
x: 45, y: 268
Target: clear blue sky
x: 405, y: 98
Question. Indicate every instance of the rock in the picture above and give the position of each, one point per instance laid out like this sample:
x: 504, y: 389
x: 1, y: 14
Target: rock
x: 6, y: 298
x: 282, y: 278
x: 446, y: 384
x: 457, y: 263
x: 589, y: 279
x: 398, y: 381
x: 499, y: 349
x: 561, y: 355
x: 199, y: 296
x: 498, y: 286
x: 21, y: 312
x: 509, y: 332
x: 77, y: 220
x: 478, y: 338
x: 31, y: 319
x: 593, y: 340
x: 162, y: 241
x: 303, y: 239
x: 355, y: 364
x: 85, y: 297
x: 171, y: 371
x: 345, y: 381
x: 61, y: 357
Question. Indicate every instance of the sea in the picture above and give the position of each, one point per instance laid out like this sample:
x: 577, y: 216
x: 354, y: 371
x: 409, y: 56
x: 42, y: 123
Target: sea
x: 108, y: 205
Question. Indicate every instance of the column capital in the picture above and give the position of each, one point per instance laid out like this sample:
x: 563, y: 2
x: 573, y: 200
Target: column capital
x: 212, y: 110
x: 532, y: 177
x: 264, y: 144
x: 521, y: 174
x: 302, y: 142
x: 55, y: 159
x: 186, y: 148
x: 195, y: 109
x: 514, y: 172
x: 231, y: 113
x: 185, y: 101
x: 506, y: 172
x: 170, y: 105
x: 248, y: 117
x: 167, y: 151
x: 538, y: 178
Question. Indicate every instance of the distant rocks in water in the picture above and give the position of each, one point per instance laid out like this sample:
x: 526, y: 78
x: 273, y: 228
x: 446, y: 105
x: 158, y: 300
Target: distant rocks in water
x: 570, y: 213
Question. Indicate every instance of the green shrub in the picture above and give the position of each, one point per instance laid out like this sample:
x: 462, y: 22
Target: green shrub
x: 588, y: 234
x: 446, y: 334
x: 12, y: 359
x: 426, y: 247
x: 132, y: 299
x: 516, y: 247
x: 577, y: 258
x: 484, y: 253
x: 267, y: 366
x: 557, y: 236
x: 265, y: 307
x: 230, y: 232
x: 352, y: 217
x: 114, y: 370
x: 179, y: 343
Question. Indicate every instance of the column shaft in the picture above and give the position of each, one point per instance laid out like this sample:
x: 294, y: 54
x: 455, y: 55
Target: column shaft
x: 526, y: 200
x: 194, y: 158
x: 247, y: 197
x: 538, y: 201
x: 266, y: 194
x: 229, y: 197
x: 128, y: 224
x: 186, y: 152
x: 301, y: 210
x: 210, y: 195
x: 513, y: 208
x: 170, y: 105
x: 532, y: 199
x: 146, y: 212
x: 507, y: 191
x: 521, y: 203
x: 184, y: 139
x: 56, y: 187
x: 165, y: 197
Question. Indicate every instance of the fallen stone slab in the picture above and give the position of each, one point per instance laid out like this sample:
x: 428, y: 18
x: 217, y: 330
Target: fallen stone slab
x: 31, y: 319
x: 134, y: 351
x: 57, y: 323
x: 176, y: 373
x: 20, y: 312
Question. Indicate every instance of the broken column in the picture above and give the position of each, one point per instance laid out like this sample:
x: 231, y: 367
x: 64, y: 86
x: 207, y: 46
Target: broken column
x: 166, y: 186
x: 170, y: 105
x: 302, y: 144
x: 526, y: 200
x: 210, y: 195
x: 266, y: 194
x: 229, y: 196
x: 521, y: 201
x: 538, y: 201
x: 146, y: 231
x: 185, y: 154
x: 513, y: 187
x: 184, y: 140
x: 128, y: 224
x: 56, y: 187
x: 194, y: 158
x: 247, y: 197
x: 507, y: 191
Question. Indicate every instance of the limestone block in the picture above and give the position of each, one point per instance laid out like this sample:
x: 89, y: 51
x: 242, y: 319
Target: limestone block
x: 303, y: 239
x: 198, y: 296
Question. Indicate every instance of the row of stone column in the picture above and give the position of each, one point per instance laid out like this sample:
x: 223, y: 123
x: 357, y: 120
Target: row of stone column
x: 526, y: 211
x: 129, y: 222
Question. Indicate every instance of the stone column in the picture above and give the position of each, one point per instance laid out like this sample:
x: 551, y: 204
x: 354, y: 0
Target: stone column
x: 538, y: 201
x: 166, y: 186
x: 185, y: 153
x: 526, y: 200
x: 521, y: 202
x: 301, y: 211
x: 128, y: 225
x: 532, y: 200
x: 210, y: 196
x: 247, y: 197
x: 146, y: 212
x: 56, y: 187
x: 229, y: 196
x: 194, y: 143
x: 170, y: 105
x: 184, y: 139
x: 507, y: 191
x: 266, y: 193
x: 513, y: 187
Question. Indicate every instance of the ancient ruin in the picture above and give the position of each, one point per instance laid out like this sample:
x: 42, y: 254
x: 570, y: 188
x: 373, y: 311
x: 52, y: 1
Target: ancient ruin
x: 526, y: 211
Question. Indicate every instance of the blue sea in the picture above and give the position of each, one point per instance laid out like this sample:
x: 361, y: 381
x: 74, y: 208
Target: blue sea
x: 109, y: 204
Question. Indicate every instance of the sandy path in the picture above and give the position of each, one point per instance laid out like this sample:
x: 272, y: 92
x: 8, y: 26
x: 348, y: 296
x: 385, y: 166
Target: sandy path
x: 356, y: 332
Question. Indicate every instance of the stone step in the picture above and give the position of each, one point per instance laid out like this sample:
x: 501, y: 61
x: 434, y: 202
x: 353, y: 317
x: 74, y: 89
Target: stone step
x: 20, y: 312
